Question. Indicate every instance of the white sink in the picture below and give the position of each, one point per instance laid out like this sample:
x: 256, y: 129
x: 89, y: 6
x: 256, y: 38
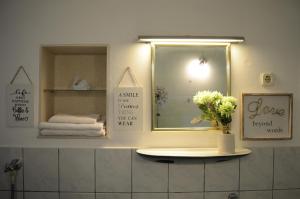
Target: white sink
x: 190, y: 152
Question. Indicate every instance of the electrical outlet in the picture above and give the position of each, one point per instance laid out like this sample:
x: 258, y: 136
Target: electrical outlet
x: 267, y: 79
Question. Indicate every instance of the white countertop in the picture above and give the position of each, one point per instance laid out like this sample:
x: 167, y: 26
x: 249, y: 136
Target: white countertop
x: 190, y: 152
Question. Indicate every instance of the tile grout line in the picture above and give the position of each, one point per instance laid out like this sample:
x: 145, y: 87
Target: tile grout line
x: 239, y: 182
x: 23, y: 169
x: 204, y: 174
x: 58, y: 171
x: 168, y: 187
x: 95, y: 172
x: 248, y: 190
x: 131, y: 180
x: 273, y: 180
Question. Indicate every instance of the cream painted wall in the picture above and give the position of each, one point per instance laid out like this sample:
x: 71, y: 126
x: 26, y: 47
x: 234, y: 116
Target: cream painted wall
x: 271, y: 29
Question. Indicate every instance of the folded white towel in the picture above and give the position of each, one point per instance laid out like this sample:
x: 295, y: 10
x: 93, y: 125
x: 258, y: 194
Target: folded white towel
x: 74, y: 119
x: 58, y: 132
x: 66, y: 126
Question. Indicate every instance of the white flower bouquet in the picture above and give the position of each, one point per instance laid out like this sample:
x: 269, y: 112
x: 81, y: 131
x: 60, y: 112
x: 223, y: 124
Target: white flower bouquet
x: 216, y: 107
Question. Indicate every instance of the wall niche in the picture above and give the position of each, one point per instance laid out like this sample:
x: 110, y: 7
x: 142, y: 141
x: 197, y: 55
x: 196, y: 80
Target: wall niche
x: 60, y: 66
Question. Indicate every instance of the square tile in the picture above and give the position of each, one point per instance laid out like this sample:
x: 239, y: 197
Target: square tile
x: 256, y: 194
x: 186, y: 175
x: 256, y: 170
x: 40, y: 169
x: 6, y: 156
x: 220, y: 195
x: 77, y: 170
x: 287, y: 167
x: 222, y: 176
x: 113, y: 170
x: 148, y: 175
x: 286, y: 194
x: 77, y: 196
x: 185, y: 195
x: 149, y: 196
x: 6, y: 195
x: 113, y: 195
x: 41, y: 195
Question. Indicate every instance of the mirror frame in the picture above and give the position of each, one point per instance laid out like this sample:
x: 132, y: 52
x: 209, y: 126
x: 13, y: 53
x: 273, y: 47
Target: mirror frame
x: 228, y: 77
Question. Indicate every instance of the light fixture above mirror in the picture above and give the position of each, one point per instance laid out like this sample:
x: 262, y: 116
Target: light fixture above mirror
x: 196, y: 40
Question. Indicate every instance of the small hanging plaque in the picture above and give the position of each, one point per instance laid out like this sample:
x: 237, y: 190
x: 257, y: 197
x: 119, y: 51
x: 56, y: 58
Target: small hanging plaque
x: 128, y: 107
x: 20, y: 103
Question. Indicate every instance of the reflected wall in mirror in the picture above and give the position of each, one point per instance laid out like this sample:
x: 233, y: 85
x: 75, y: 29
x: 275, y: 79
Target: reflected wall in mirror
x: 178, y: 73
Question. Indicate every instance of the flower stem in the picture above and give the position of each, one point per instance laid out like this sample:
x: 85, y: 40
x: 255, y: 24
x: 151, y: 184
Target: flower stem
x: 226, y: 129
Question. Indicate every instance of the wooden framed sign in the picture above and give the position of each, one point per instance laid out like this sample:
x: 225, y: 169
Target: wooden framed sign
x: 266, y: 116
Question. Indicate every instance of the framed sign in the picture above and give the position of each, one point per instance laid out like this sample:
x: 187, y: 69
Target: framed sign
x: 266, y: 116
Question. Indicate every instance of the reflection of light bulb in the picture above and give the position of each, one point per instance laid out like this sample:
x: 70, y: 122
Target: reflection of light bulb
x: 198, y: 69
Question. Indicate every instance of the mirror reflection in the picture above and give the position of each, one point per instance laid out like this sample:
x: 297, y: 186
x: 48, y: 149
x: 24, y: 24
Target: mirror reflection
x: 179, y: 72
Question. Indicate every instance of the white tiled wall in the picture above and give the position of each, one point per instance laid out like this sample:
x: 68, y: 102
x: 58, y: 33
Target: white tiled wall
x: 77, y: 170
x: 40, y: 169
x: 267, y: 173
x: 186, y: 175
x: 257, y: 167
x: 113, y: 170
x: 286, y: 166
x: 222, y: 176
x: 148, y: 176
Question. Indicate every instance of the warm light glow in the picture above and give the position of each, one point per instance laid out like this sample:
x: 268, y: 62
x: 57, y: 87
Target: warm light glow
x: 189, y: 43
x: 190, y: 40
x: 198, y: 70
x: 142, y: 55
x: 144, y: 51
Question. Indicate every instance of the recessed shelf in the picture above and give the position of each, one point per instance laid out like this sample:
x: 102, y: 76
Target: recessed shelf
x: 190, y: 152
x: 60, y: 66
x: 71, y: 90
x: 71, y: 137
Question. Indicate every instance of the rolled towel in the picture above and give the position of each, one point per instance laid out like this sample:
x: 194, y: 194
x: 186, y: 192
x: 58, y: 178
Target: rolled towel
x: 67, y: 126
x: 74, y: 119
x: 57, y: 132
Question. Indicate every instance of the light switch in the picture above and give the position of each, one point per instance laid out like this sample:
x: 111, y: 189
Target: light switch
x: 266, y: 79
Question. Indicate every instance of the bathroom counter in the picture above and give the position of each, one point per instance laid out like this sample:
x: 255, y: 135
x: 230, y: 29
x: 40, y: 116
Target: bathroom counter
x: 190, y: 152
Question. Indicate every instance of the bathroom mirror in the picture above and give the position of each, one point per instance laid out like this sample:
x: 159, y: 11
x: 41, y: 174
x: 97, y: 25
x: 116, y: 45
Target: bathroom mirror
x: 178, y: 73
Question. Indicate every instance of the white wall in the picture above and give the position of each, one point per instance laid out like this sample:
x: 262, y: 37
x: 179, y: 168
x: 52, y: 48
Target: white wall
x: 271, y: 29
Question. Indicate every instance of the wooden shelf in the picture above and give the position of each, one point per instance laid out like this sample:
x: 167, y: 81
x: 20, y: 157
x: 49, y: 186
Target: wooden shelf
x: 190, y: 152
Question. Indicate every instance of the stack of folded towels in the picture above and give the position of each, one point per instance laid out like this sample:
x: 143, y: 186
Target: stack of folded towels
x: 80, y: 125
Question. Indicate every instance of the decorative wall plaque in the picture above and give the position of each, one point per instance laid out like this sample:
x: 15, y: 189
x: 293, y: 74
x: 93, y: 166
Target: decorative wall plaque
x: 20, y: 102
x: 267, y: 116
x: 128, y: 106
